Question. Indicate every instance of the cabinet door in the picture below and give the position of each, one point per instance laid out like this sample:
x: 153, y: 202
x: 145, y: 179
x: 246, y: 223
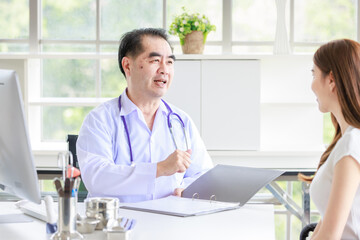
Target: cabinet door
x: 230, y: 104
x: 184, y: 91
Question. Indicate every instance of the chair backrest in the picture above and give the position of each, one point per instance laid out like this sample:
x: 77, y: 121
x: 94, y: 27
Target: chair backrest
x: 72, y: 148
x: 82, y: 193
x: 305, y: 232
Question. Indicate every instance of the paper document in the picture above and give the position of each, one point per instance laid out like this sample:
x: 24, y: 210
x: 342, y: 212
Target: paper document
x: 182, y: 207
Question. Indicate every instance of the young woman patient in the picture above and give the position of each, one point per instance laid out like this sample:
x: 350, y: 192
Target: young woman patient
x: 335, y: 187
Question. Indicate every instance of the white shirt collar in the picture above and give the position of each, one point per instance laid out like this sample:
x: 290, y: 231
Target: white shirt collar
x: 127, y: 106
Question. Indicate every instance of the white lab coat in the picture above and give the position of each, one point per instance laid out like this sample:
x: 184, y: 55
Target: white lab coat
x: 104, y: 156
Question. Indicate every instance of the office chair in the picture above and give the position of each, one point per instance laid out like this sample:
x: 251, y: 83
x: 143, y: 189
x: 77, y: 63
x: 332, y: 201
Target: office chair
x: 306, y: 230
x: 71, y: 139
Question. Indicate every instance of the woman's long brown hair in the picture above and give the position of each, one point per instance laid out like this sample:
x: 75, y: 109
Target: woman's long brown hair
x: 342, y: 58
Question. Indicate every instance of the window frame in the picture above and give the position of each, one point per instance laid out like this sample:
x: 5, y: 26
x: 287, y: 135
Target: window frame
x: 35, y: 41
x: 35, y: 55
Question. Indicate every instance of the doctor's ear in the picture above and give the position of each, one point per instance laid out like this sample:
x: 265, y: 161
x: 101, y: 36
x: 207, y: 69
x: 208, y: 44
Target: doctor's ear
x: 125, y: 62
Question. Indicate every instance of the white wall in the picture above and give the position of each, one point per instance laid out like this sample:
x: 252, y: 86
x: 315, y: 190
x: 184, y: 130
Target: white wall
x: 290, y: 119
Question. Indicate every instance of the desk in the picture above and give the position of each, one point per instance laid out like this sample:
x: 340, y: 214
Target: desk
x: 251, y: 222
x: 301, y: 212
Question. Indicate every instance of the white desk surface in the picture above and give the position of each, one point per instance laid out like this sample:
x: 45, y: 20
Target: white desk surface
x: 252, y: 221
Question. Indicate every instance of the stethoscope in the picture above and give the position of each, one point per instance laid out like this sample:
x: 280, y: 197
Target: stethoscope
x: 171, y: 113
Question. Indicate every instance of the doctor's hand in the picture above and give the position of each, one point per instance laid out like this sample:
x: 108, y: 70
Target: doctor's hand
x: 178, y: 192
x: 178, y: 161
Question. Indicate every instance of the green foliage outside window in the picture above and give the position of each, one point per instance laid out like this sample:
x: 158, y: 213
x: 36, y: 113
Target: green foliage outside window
x: 58, y: 122
x: 75, y: 78
x: 120, y: 16
x: 329, y: 129
x: 14, y: 24
x: 68, y: 19
x: 14, y: 19
x: 69, y: 78
x: 337, y: 19
x: 113, y: 82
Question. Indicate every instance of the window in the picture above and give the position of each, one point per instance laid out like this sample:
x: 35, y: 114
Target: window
x: 97, y: 25
x: 14, y: 25
x: 248, y: 21
x: 337, y: 19
x: 118, y: 17
x: 75, y: 45
x: 68, y: 20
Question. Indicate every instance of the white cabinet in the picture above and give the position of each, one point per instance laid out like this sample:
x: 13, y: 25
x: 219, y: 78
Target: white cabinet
x: 185, y: 89
x: 230, y: 104
x: 223, y: 99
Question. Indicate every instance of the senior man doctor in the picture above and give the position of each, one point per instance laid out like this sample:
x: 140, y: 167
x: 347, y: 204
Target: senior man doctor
x: 125, y: 146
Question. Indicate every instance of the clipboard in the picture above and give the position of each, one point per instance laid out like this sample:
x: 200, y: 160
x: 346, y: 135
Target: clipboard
x: 222, y: 188
x: 226, y: 183
x: 180, y: 207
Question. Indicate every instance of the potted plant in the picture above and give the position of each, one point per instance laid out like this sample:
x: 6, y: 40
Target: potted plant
x: 192, y: 30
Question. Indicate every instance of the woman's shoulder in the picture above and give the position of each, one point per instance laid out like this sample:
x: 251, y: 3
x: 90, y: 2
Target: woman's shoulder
x: 349, y: 144
x: 351, y: 137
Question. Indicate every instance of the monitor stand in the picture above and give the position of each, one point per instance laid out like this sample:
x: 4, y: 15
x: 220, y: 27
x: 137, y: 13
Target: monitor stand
x: 13, y: 217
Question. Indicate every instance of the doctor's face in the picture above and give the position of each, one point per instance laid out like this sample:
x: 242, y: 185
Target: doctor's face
x: 151, y: 72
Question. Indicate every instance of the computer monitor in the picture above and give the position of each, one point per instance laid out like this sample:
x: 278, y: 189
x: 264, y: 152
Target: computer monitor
x: 17, y: 169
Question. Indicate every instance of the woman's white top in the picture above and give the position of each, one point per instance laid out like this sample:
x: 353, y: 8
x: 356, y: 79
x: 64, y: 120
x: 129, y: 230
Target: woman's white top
x: 347, y: 145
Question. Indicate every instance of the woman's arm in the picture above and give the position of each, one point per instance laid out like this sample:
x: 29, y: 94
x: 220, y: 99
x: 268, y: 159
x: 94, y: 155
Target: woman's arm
x: 316, y: 231
x: 344, y: 186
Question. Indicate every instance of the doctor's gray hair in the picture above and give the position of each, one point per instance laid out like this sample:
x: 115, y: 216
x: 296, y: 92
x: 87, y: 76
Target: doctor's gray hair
x: 131, y: 42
